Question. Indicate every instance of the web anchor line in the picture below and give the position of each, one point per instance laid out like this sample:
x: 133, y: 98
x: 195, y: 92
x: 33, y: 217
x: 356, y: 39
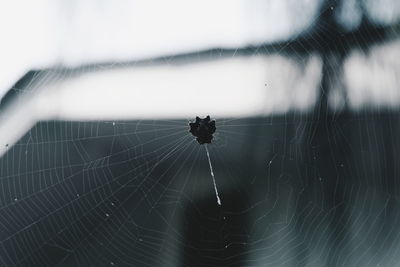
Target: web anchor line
x: 213, y: 177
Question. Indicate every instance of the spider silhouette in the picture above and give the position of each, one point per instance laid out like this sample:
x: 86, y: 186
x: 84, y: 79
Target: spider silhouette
x: 203, y: 129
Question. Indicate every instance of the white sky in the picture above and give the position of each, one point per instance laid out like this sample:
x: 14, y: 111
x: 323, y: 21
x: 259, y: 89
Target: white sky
x: 47, y: 33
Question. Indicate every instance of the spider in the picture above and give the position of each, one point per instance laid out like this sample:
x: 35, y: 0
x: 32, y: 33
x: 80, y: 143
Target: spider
x: 203, y: 129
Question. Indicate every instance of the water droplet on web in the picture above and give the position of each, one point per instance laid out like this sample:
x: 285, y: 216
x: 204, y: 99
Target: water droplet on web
x: 140, y: 239
x: 113, y: 123
x: 112, y: 263
x: 15, y: 199
x: 112, y: 204
x: 107, y: 215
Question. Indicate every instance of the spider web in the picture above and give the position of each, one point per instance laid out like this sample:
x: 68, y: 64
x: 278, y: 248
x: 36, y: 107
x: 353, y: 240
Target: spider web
x: 297, y: 188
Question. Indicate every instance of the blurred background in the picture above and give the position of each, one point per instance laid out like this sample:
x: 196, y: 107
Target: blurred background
x: 97, y: 167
